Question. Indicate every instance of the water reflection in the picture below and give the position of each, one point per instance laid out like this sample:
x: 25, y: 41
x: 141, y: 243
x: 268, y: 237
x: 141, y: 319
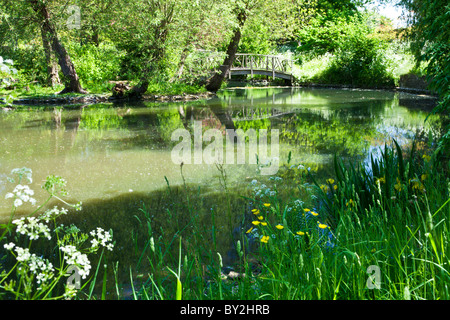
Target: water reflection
x: 106, y: 150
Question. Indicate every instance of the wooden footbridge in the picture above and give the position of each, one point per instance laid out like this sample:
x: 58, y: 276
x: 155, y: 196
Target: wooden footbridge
x: 247, y: 63
x: 260, y: 64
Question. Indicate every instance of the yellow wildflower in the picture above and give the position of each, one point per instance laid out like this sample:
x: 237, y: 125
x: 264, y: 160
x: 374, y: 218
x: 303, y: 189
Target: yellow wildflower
x: 301, y: 233
x: 322, y: 226
x: 279, y: 226
x: 324, y: 188
x: 423, y: 177
x: 398, y: 186
x: 306, y: 210
x: 260, y: 217
x: 256, y: 222
x: 267, y: 204
x: 264, y: 223
x: 381, y: 180
x: 315, y: 214
x: 250, y: 230
x: 265, y: 239
x: 335, y: 187
x: 415, y: 183
x: 255, y: 211
x: 330, y: 181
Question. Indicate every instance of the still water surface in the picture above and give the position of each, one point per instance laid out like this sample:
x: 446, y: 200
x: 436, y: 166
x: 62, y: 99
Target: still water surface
x: 108, y: 151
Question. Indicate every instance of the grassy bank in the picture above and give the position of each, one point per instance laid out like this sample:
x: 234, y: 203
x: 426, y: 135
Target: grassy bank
x: 363, y: 233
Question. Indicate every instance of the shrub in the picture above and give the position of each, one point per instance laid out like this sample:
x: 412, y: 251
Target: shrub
x: 359, y: 61
x: 96, y: 65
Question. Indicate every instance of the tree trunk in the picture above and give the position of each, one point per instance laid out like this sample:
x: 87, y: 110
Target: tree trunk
x: 72, y: 81
x: 215, y: 82
x: 139, y: 89
x: 52, y: 66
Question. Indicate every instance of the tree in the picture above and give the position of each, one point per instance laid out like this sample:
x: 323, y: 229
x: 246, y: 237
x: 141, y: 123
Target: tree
x: 142, y: 29
x: 430, y: 32
x: 50, y: 36
x: 241, y: 11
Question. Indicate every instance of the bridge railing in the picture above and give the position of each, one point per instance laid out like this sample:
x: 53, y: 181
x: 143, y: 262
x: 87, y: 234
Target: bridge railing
x: 272, y: 63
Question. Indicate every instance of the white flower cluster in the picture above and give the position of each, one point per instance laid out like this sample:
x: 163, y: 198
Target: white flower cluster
x: 263, y: 191
x: 42, y: 268
x: 75, y: 257
x: 53, y: 214
x: 21, y: 194
x: 23, y: 172
x: 32, y: 228
x: 101, y: 238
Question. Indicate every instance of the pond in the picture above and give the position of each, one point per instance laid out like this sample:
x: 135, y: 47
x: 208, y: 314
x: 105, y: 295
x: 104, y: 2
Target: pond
x: 117, y: 158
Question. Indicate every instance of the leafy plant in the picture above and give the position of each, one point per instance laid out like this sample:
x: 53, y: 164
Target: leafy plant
x: 27, y: 273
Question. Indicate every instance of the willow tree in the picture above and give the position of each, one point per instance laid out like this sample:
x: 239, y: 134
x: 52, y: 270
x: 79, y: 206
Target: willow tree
x: 241, y: 11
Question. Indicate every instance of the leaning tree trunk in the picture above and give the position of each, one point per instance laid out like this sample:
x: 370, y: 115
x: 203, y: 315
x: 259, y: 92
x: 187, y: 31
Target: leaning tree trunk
x: 215, y: 82
x: 52, y: 65
x: 72, y: 83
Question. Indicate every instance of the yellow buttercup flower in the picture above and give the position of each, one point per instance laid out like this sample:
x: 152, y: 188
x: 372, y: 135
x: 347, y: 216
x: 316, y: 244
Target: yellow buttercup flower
x: 350, y: 203
x: 330, y: 181
x: 279, y: 227
x: 301, y: 233
x: 260, y: 217
x: 381, y: 180
x: 322, y: 226
x: 255, y: 211
x: 265, y: 239
x: 306, y: 210
x: 264, y: 223
x: 315, y: 214
x: 250, y: 230
x: 256, y: 222
x: 267, y: 204
x: 398, y: 186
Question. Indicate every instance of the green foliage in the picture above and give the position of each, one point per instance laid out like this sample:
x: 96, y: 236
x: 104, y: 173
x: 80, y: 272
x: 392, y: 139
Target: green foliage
x: 431, y: 44
x: 30, y: 61
x: 358, y: 55
x: 27, y: 271
x: 173, y: 88
x: 360, y: 61
x: 256, y: 38
x: 96, y: 65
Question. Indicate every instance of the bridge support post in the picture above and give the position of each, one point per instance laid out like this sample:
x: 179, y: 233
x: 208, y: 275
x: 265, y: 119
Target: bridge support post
x: 273, y: 68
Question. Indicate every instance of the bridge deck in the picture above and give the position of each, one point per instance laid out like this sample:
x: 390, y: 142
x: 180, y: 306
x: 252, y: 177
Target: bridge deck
x: 268, y: 65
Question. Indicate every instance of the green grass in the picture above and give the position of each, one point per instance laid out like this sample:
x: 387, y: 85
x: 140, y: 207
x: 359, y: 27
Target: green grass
x: 361, y: 234
x: 37, y: 91
x: 173, y: 88
x: 366, y: 238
